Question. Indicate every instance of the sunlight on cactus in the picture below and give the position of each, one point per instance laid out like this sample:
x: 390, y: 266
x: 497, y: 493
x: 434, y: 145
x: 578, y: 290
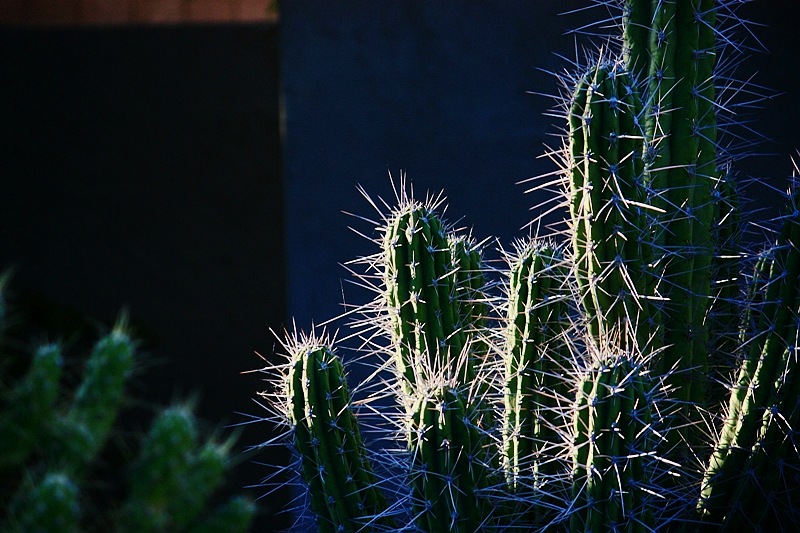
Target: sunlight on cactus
x: 634, y: 370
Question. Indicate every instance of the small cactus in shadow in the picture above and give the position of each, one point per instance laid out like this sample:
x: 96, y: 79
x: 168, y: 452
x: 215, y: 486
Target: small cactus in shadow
x: 51, y: 455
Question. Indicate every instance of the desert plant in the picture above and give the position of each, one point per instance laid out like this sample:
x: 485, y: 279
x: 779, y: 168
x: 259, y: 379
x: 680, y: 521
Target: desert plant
x: 56, y: 444
x: 587, y: 396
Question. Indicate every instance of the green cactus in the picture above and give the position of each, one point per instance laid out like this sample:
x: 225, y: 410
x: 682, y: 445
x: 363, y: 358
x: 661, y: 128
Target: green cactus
x: 763, y: 409
x: 449, y: 464
x: 84, y: 429
x: 614, y: 439
x: 234, y: 515
x: 45, y: 505
x: 29, y: 415
x: 607, y: 194
x: 171, y: 478
x: 53, y: 454
x: 426, y: 329
x: 537, y: 351
x: 470, y: 283
x: 623, y: 343
x: 670, y: 44
x: 334, y: 464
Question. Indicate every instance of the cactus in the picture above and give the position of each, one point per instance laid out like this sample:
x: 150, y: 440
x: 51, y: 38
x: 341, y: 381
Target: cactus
x: 334, y: 463
x: 670, y: 45
x: 470, y: 283
x: 607, y: 192
x: 598, y: 377
x: 31, y: 405
x: 56, y: 444
x: 49, y: 504
x: 763, y: 407
x: 427, y: 331
x: 614, y: 440
x: 449, y: 464
x: 535, y: 354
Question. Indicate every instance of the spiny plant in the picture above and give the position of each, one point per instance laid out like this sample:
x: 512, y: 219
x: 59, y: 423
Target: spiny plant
x: 590, y: 394
x: 52, y: 458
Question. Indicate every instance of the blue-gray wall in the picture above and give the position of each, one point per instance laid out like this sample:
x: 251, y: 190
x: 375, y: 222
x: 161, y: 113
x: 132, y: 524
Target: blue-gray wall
x: 441, y: 91
x: 438, y: 90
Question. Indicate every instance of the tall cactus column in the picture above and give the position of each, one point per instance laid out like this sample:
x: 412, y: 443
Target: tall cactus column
x: 536, y: 353
x: 450, y: 460
x: 671, y: 45
x: 536, y: 385
x: 611, y: 242
x: 755, y: 459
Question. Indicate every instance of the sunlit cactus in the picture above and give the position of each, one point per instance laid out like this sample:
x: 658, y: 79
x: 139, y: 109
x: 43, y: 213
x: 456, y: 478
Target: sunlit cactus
x: 632, y: 372
x: 325, y: 435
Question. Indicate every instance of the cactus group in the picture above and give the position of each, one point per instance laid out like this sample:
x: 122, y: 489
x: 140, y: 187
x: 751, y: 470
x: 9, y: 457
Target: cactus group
x: 56, y: 444
x: 590, y: 394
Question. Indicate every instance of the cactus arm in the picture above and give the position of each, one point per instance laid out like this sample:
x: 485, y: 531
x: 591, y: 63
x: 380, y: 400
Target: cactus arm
x: 761, y: 377
x: 27, y: 422
x: 445, y: 474
x: 334, y: 465
x: 420, y: 282
x: 97, y: 400
x: 326, y: 438
x: 50, y: 504
x: 609, y: 479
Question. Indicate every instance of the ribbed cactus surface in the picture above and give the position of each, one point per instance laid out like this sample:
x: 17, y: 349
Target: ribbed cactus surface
x: 536, y: 361
x: 671, y: 46
x: 427, y: 332
x: 613, y: 442
x: 334, y: 464
x: 450, y: 464
x: 763, y: 411
x: 610, y: 221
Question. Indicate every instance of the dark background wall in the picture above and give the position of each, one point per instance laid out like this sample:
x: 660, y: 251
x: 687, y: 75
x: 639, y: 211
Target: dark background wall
x: 140, y: 167
x: 141, y: 170
x: 441, y: 91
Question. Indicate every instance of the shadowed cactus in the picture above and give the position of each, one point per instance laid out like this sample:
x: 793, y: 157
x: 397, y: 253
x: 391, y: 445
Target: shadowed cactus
x: 52, y: 454
x: 755, y: 460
